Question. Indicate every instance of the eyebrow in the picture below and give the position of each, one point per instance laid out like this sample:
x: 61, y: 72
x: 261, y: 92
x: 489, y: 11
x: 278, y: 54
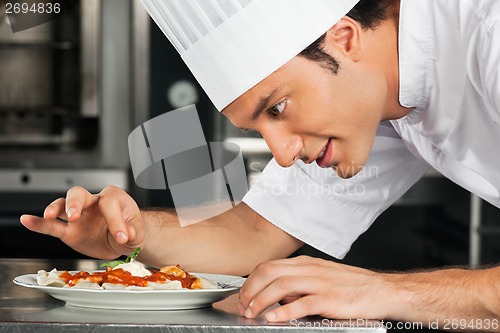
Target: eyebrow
x: 263, y: 102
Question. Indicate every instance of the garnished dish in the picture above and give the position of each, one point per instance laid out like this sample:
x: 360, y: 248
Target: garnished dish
x: 130, y: 285
x: 130, y: 274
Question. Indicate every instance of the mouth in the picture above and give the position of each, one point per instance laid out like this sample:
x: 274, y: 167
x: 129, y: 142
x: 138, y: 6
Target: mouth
x: 324, y: 157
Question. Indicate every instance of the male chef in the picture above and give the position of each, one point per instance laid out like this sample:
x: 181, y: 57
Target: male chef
x: 345, y: 94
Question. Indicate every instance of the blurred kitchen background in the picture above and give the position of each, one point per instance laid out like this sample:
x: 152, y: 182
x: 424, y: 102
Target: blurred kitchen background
x: 72, y: 90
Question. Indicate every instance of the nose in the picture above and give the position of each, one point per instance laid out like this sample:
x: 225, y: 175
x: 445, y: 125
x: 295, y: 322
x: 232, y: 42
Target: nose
x: 284, y: 146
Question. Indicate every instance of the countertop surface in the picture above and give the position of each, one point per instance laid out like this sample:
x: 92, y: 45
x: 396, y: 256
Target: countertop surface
x: 24, y: 309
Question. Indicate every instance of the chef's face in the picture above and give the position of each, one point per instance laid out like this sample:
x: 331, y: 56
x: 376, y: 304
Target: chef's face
x: 311, y: 114
x: 304, y: 111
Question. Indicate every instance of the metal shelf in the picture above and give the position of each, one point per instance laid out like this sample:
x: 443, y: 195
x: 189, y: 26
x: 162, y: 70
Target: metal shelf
x: 64, y: 46
x: 490, y: 231
x: 49, y: 110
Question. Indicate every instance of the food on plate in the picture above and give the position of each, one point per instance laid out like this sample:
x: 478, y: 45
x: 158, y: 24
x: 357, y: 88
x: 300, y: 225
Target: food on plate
x: 130, y: 274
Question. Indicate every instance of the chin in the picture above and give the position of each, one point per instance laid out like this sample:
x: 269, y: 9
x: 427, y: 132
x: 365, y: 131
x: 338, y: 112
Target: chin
x: 347, y: 170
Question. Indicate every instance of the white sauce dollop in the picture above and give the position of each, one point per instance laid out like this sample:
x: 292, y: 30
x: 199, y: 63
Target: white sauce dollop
x: 135, y: 268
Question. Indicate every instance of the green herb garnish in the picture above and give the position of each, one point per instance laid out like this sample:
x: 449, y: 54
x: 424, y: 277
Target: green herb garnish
x: 130, y: 258
x: 112, y: 264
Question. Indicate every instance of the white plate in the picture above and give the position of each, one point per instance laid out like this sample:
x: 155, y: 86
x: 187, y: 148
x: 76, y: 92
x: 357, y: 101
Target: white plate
x: 141, y: 299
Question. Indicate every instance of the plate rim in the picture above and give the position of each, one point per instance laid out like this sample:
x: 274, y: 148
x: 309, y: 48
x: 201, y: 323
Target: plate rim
x: 129, y: 291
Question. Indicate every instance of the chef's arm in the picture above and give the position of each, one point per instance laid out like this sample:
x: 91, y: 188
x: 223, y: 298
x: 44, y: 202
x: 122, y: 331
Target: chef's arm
x: 109, y: 224
x: 232, y: 243
x: 445, y: 296
x: 455, y: 299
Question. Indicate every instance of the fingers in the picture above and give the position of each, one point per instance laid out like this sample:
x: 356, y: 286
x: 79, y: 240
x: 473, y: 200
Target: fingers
x: 70, y: 208
x: 77, y: 199
x: 121, y: 213
x: 49, y: 227
x: 288, y: 281
x: 281, y: 288
x: 112, y: 212
x: 301, y: 307
x: 56, y: 209
x: 80, y: 206
x: 288, y: 299
x: 267, y: 272
x: 309, y: 286
x: 110, y: 202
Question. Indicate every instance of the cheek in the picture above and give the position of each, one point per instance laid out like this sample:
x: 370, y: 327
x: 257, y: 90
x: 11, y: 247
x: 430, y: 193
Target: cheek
x: 315, y: 111
x: 372, y: 95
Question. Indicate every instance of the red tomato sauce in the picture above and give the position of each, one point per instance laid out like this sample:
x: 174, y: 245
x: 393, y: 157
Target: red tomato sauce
x: 120, y: 276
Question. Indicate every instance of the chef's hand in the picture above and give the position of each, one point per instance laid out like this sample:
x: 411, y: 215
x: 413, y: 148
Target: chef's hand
x: 104, y: 225
x: 310, y: 286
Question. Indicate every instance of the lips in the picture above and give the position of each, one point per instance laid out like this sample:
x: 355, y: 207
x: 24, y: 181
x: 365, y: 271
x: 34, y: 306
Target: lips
x: 324, y: 157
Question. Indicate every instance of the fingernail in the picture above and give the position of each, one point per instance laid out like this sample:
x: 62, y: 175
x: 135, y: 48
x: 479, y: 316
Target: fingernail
x: 270, y: 316
x: 248, y: 313
x: 121, y: 237
x: 71, y: 211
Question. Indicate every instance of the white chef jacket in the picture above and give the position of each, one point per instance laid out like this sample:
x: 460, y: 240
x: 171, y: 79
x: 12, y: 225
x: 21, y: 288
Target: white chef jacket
x: 449, y: 58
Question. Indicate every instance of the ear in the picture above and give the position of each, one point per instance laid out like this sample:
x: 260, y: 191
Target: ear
x: 346, y: 37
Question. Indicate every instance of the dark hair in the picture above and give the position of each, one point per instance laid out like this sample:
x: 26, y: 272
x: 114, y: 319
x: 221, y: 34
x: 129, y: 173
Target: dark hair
x: 368, y: 13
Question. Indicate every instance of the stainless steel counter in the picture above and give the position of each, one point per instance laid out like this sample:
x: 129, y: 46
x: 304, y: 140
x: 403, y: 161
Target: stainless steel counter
x: 27, y: 310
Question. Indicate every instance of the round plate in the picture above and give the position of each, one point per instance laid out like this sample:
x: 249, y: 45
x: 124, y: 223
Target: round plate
x: 141, y: 299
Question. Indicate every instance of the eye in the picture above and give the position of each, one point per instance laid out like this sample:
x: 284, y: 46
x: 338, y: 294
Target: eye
x: 277, y: 109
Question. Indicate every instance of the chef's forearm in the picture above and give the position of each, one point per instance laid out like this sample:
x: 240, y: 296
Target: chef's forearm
x: 444, y: 295
x: 232, y: 243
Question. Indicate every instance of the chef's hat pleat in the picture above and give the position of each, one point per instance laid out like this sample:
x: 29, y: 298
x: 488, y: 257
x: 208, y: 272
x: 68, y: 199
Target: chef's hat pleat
x: 231, y: 45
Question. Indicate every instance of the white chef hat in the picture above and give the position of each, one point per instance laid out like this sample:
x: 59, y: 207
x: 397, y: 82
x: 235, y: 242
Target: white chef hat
x: 231, y: 45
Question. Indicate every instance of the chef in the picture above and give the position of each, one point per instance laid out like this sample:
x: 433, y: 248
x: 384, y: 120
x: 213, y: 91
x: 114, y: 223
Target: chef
x: 356, y: 101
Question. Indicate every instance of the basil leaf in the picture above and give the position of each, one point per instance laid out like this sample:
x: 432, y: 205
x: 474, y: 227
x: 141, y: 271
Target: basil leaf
x: 130, y: 258
x: 112, y: 264
x: 133, y: 255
